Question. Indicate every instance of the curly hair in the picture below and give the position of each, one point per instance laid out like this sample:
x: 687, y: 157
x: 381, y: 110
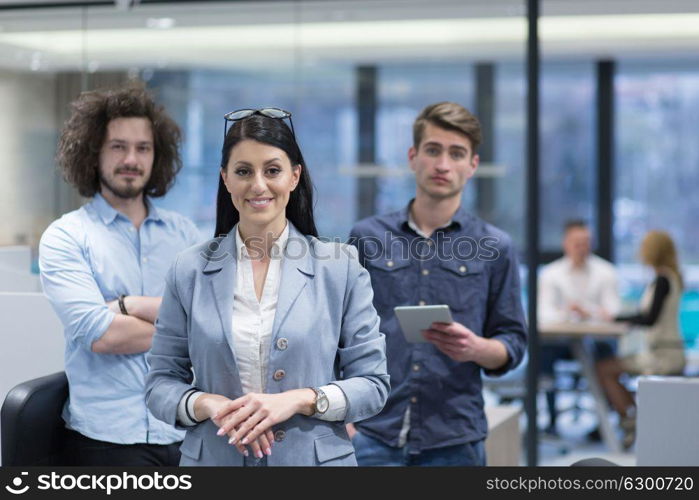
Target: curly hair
x: 84, y: 132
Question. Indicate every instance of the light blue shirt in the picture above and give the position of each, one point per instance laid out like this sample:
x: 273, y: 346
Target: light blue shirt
x: 87, y: 258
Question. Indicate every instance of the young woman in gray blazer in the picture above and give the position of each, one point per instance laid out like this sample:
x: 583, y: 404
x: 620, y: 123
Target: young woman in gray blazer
x: 267, y: 342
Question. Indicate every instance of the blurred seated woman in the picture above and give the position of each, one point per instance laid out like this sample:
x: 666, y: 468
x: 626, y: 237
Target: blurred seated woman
x: 662, y: 351
x: 277, y: 326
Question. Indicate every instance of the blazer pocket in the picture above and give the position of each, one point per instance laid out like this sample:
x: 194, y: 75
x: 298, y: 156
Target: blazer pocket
x: 332, y: 446
x: 191, y: 446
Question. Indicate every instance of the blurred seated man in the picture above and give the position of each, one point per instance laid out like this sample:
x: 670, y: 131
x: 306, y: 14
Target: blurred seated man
x: 578, y: 286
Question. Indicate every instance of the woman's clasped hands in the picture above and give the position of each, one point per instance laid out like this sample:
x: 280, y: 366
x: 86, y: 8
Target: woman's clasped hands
x: 248, y: 420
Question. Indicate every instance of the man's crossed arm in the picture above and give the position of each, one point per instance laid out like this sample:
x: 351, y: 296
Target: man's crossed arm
x: 132, y: 333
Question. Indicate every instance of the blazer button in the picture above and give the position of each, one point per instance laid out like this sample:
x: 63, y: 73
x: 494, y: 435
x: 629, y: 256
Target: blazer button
x: 463, y: 269
x: 279, y: 436
x: 390, y: 263
x: 279, y: 374
x: 282, y: 344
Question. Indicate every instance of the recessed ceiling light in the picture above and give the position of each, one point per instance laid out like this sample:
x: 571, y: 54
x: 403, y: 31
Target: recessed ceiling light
x: 503, y: 36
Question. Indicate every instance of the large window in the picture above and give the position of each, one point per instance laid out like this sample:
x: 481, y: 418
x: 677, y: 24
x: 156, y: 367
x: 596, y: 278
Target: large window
x: 567, y: 149
x: 510, y: 151
x: 403, y: 91
x: 568, y: 154
x: 657, y: 156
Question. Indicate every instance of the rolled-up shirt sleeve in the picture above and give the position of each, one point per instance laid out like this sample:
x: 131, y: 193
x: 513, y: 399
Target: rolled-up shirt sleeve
x: 69, y: 284
x: 506, y: 321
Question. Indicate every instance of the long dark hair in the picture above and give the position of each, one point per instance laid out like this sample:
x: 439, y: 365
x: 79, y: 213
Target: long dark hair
x: 274, y: 132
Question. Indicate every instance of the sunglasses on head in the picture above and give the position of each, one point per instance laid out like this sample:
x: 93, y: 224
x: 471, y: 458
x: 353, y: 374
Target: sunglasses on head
x: 241, y: 114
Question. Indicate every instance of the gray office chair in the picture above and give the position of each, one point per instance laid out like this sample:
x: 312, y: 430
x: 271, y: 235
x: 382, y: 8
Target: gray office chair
x: 33, y: 431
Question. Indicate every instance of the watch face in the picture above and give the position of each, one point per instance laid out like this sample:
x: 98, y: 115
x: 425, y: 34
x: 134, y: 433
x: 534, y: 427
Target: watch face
x: 322, y: 403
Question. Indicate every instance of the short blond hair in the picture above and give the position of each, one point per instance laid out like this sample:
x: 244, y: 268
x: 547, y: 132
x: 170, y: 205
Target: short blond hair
x: 449, y: 116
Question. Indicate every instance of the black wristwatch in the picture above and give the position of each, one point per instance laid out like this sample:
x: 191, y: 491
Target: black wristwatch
x: 321, y: 403
x: 122, y: 307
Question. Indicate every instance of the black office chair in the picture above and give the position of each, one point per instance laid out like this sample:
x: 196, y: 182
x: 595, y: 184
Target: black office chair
x: 33, y: 431
x: 594, y: 462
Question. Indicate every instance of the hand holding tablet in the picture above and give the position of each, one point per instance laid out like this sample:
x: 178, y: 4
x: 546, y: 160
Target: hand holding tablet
x: 414, y: 319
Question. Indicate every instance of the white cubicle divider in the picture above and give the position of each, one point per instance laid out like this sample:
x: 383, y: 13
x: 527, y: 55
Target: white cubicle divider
x: 12, y: 280
x: 667, y: 427
x: 31, y: 337
x: 16, y: 270
x: 18, y: 258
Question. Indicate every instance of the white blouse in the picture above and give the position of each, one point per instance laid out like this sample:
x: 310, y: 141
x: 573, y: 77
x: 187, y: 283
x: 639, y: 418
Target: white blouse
x: 252, y: 322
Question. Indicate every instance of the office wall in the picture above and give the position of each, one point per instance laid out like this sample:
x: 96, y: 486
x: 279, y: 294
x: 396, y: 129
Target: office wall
x: 27, y: 141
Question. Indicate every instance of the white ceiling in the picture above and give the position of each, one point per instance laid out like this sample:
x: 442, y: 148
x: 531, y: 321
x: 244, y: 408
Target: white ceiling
x: 250, y: 34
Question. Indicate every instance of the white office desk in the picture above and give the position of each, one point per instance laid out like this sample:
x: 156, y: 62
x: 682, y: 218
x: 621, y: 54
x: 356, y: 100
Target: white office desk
x: 502, y: 445
x: 575, y: 333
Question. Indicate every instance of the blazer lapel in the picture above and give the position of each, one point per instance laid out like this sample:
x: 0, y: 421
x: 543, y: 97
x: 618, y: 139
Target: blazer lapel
x: 296, y: 269
x: 221, y: 269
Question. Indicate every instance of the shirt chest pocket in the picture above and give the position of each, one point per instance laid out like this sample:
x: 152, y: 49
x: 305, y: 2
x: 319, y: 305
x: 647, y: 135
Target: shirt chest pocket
x: 461, y: 284
x: 392, y: 282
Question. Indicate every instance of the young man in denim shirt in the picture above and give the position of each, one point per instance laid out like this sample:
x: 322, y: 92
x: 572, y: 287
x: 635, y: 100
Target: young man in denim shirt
x: 434, y: 252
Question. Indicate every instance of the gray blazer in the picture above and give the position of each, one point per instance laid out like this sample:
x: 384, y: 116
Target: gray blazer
x: 324, y: 312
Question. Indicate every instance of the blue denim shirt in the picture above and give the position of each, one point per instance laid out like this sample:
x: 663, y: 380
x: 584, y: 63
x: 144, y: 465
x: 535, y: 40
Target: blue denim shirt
x: 469, y: 265
x: 87, y: 258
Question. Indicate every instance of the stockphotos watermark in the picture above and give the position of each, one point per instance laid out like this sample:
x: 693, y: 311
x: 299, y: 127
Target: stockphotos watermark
x: 106, y: 483
x: 374, y: 248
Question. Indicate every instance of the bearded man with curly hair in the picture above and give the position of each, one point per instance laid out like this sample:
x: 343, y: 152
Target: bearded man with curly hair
x: 103, y: 269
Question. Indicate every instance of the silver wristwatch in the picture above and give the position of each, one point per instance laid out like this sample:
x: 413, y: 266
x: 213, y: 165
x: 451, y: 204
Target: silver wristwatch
x: 321, y: 403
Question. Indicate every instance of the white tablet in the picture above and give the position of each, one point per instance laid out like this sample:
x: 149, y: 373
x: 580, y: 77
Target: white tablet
x: 413, y: 319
